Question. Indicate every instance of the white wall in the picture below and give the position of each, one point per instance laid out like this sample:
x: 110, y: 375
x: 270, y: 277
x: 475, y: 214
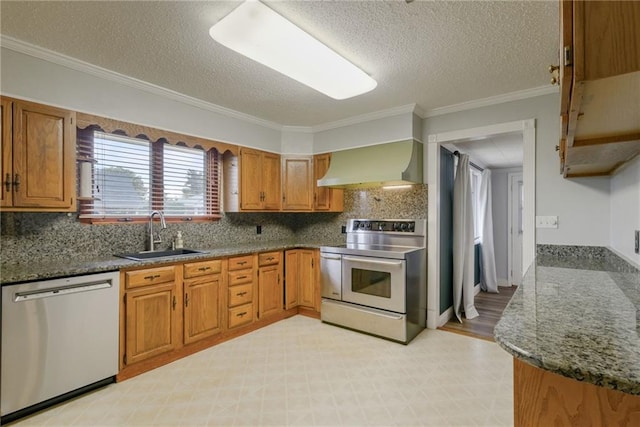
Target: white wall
x: 376, y: 131
x: 500, y: 207
x: 582, y: 205
x: 31, y: 78
x: 625, y: 210
x: 296, y: 141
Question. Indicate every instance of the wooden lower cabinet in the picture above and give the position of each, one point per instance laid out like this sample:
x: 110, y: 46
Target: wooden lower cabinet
x: 240, y: 291
x: 302, y: 279
x: 202, y: 308
x: 151, y: 321
x: 270, y: 285
x: 172, y: 311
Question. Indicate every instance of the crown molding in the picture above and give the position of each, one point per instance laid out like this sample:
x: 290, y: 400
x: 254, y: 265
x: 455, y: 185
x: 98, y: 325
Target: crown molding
x: 78, y: 65
x: 492, y: 100
x: 297, y: 129
x: 395, y: 111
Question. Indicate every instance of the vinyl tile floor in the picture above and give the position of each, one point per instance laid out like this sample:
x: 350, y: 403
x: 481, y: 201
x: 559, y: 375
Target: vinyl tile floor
x: 301, y: 372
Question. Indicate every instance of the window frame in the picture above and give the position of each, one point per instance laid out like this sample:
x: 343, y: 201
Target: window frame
x: 88, y: 124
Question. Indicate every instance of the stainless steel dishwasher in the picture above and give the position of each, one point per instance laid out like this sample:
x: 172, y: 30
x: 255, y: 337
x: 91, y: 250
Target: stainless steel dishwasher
x: 59, y: 339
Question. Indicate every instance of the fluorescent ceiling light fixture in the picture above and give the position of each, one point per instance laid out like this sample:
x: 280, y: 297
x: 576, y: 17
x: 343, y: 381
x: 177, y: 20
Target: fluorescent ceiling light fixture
x: 259, y: 33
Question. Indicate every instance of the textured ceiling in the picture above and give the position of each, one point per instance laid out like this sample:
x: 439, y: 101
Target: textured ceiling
x: 495, y: 151
x: 434, y: 54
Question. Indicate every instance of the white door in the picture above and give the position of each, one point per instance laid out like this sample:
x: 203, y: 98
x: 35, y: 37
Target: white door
x: 516, y: 203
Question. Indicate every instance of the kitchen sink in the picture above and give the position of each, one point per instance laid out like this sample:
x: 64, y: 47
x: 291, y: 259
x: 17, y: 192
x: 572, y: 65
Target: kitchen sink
x: 139, y: 256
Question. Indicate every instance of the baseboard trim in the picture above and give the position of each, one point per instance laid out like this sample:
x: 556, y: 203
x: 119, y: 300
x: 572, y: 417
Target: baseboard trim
x: 445, y: 317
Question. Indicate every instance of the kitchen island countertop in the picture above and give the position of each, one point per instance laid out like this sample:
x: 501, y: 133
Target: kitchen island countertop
x: 42, y: 269
x: 579, y: 318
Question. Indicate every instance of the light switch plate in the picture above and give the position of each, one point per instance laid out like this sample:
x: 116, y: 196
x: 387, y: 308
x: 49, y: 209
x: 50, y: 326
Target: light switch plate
x: 546, y: 222
x: 637, y: 241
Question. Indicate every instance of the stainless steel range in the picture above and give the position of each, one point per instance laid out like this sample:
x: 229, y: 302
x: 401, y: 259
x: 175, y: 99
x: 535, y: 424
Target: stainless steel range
x: 376, y: 283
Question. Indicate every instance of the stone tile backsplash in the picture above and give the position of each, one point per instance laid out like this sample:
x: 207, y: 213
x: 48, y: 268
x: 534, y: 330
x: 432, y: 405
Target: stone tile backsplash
x: 31, y: 236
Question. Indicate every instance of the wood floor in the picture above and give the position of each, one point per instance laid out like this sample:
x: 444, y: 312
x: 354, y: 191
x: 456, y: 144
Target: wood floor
x: 490, y: 307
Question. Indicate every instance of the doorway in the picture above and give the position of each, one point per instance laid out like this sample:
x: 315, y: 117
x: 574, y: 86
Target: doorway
x: 526, y: 128
x: 516, y: 207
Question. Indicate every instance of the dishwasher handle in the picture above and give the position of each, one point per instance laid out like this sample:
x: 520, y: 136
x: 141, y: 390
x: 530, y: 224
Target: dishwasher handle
x: 61, y: 290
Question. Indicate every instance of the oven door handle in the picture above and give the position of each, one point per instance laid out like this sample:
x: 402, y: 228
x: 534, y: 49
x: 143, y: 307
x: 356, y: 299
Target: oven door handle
x: 369, y: 261
x: 330, y: 257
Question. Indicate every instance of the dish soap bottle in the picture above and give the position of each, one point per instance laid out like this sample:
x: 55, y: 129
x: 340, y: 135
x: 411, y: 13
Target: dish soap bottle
x: 178, y: 243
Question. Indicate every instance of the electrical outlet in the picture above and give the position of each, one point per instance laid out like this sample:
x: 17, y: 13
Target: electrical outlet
x: 344, y: 229
x: 637, y: 246
x: 546, y: 222
x: 258, y: 229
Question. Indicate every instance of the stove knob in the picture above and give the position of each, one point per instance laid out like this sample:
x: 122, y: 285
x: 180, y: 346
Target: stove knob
x: 403, y: 226
x: 382, y: 226
x: 368, y: 226
x: 412, y: 227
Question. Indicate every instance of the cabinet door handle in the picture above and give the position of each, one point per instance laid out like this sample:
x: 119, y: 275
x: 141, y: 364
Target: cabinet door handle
x: 242, y: 262
x: 241, y: 294
x: 241, y: 277
x: 16, y: 183
x: 7, y: 182
x: 204, y: 268
x: 186, y: 300
x: 244, y: 313
x: 154, y: 276
x: 174, y: 303
x: 270, y: 258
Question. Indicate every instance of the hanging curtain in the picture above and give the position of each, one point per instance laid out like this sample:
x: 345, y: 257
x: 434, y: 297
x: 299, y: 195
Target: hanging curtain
x: 489, y: 282
x: 463, y: 235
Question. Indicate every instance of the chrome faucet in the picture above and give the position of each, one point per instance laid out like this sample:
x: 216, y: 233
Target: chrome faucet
x: 155, y: 238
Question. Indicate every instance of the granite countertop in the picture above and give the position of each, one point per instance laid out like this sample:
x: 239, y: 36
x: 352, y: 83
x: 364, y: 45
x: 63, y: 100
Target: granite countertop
x: 577, y: 317
x: 30, y: 270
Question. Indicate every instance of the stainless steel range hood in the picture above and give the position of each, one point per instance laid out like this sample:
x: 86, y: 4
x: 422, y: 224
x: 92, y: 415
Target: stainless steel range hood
x: 395, y: 163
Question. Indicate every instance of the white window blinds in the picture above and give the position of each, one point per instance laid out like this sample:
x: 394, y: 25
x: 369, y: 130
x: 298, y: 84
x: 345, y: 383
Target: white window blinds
x: 133, y: 176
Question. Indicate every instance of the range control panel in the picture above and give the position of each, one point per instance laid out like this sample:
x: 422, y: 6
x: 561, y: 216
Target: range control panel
x: 371, y: 225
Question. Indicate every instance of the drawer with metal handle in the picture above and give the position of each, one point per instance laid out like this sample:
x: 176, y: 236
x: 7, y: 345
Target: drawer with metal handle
x: 149, y: 276
x: 240, y: 315
x: 196, y: 269
x: 238, y: 295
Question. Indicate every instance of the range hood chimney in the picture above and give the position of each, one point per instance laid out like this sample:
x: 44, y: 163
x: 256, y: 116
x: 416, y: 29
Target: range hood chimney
x: 395, y: 163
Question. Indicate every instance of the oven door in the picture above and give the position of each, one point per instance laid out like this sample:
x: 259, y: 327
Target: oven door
x: 374, y: 282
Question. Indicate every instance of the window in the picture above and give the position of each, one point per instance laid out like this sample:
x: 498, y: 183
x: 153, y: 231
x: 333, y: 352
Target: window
x: 133, y: 176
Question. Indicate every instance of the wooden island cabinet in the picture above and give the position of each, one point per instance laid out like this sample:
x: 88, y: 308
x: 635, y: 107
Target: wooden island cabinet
x: 543, y: 398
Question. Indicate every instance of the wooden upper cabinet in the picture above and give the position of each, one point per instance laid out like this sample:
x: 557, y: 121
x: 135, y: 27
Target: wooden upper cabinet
x: 270, y: 181
x: 325, y: 198
x: 259, y: 180
x: 38, y: 157
x: 599, y: 86
x: 6, y: 164
x: 297, y: 183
